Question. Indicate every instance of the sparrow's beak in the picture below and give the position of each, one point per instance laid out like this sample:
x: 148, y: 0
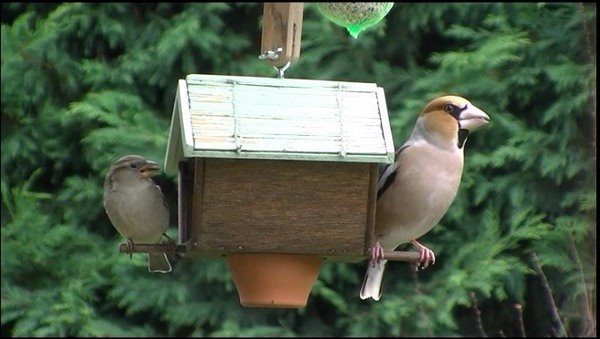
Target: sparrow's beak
x: 149, y: 169
x: 472, y: 118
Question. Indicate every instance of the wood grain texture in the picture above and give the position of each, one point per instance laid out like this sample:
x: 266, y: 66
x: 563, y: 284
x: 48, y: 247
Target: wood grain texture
x: 371, y: 207
x: 282, y: 27
x: 268, y: 206
x: 197, y: 199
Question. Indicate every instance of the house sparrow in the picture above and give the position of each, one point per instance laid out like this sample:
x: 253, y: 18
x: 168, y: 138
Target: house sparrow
x: 417, y: 189
x: 136, y: 206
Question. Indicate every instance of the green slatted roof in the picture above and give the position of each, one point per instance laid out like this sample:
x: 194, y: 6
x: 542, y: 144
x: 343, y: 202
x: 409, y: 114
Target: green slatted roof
x: 218, y: 116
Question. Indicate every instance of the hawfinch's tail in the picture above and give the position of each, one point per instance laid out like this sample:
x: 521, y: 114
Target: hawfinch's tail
x: 371, y: 286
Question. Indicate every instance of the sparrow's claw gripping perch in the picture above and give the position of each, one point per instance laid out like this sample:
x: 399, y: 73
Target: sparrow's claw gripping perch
x: 130, y: 247
x: 172, y: 245
x: 426, y: 256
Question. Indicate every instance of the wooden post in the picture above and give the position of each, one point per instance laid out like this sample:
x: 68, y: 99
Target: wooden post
x: 185, y: 182
x: 281, y: 32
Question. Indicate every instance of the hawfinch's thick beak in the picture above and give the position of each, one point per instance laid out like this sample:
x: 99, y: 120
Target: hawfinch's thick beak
x: 149, y: 169
x: 473, y: 118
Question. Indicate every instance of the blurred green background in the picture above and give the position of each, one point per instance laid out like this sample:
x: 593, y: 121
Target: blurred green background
x: 83, y: 84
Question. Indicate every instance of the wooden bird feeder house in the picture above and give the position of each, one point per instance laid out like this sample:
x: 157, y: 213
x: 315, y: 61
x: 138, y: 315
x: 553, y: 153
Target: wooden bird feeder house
x: 277, y: 167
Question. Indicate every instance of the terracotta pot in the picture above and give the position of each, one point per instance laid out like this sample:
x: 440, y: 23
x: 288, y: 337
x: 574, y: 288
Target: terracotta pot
x: 273, y: 280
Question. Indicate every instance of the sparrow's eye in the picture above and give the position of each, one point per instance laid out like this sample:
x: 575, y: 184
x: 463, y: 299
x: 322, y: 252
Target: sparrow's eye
x: 449, y: 108
x: 134, y: 165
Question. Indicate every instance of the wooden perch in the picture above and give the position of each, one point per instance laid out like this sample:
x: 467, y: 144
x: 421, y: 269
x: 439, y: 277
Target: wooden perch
x: 409, y: 256
x: 152, y: 248
x: 401, y: 256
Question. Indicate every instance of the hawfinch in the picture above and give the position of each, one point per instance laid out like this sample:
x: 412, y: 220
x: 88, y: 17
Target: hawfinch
x: 136, y: 206
x: 417, y: 189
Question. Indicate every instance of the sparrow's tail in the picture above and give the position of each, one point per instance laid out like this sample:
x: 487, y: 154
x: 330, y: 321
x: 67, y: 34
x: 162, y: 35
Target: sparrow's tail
x: 371, y: 286
x: 158, y: 262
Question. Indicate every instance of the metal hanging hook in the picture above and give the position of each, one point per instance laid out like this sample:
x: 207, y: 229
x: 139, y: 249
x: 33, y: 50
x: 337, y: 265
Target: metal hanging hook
x: 274, y: 54
x: 282, y: 69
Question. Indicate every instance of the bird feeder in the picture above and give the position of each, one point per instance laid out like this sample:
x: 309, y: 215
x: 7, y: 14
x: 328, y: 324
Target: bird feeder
x: 276, y: 174
x: 284, y: 167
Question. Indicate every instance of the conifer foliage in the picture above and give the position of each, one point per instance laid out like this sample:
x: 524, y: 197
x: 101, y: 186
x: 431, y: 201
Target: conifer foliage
x: 84, y: 83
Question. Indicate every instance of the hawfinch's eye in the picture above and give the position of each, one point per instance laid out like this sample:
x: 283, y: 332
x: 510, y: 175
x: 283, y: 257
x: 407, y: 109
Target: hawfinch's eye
x: 449, y: 108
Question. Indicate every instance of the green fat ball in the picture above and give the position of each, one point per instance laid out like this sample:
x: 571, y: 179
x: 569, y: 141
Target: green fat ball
x: 355, y: 16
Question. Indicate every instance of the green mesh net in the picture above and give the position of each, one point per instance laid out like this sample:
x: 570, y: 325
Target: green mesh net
x: 355, y: 16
